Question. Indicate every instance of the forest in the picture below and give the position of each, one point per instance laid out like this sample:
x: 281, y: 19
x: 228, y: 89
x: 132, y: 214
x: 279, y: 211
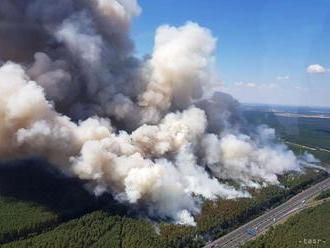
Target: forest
x: 39, y: 207
x: 28, y: 220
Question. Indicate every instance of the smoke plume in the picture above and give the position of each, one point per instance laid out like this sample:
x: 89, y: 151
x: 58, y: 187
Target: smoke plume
x: 71, y: 91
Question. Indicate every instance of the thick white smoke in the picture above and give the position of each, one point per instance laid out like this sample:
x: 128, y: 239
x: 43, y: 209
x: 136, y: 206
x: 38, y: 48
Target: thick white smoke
x: 133, y: 166
x: 247, y: 161
x: 140, y: 129
x: 180, y: 65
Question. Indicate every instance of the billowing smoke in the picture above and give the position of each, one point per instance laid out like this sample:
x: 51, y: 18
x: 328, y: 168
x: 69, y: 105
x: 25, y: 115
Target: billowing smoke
x: 243, y: 158
x: 179, y: 66
x: 71, y: 91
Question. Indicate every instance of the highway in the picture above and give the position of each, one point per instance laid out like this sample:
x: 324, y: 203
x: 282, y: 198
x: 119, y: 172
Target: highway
x: 262, y: 223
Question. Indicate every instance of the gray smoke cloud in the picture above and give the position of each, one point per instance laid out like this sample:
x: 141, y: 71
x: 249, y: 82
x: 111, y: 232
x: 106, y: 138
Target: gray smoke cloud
x: 71, y: 91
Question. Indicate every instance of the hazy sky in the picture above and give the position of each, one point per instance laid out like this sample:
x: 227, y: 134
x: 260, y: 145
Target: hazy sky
x: 264, y: 46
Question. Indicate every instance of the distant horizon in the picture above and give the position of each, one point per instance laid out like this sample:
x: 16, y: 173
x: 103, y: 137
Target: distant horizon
x: 267, y: 51
x: 283, y: 105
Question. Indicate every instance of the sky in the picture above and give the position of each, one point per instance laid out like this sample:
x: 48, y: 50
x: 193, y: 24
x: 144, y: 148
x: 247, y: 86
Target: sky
x: 268, y: 51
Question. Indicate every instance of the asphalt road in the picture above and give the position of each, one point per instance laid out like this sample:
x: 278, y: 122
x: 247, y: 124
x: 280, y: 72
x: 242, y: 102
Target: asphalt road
x: 262, y: 223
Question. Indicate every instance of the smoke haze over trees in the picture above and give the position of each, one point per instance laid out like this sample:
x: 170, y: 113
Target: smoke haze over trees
x: 72, y: 92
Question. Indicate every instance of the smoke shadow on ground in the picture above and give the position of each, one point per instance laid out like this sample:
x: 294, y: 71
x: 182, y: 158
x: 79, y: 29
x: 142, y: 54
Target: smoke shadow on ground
x: 33, y: 180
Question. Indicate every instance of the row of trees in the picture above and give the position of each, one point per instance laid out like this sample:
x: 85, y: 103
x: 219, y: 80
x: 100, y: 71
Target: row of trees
x: 324, y: 194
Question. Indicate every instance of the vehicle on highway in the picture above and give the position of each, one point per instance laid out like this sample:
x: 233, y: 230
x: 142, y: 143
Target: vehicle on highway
x: 251, y: 231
